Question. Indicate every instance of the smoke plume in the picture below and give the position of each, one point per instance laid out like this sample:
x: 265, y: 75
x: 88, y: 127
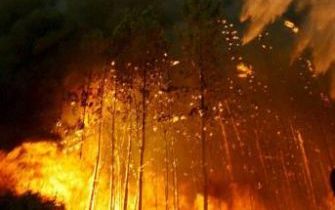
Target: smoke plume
x: 318, y: 29
x: 261, y: 13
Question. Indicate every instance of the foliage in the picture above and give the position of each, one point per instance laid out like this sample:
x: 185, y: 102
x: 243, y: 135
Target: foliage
x: 28, y: 201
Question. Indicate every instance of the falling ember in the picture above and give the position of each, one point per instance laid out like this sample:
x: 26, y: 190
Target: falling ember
x: 292, y: 26
x: 175, y: 63
x: 243, y: 70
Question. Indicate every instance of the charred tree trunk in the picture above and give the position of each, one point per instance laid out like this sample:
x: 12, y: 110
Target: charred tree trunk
x: 84, y: 100
x: 125, y: 199
x: 129, y: 149
x: 173, y: 154
x: 167, y: 171
x: 113, y: 148
x: 203, y: 135
x: 98, y: 159
x: 175, y: 179
x: 138, y: 136
x: 142, y: 146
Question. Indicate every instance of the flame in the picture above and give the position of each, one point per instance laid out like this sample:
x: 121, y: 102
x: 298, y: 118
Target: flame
x: 55, y: 171
x: 85, y: 168
x: 330, y: 201
x: 43, y: 168
x: 242, y: 198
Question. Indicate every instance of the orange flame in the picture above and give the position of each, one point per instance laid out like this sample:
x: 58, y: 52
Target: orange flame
x: 43, y: 168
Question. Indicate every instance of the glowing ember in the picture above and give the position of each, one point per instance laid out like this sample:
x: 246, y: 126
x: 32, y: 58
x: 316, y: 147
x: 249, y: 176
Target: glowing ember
x: 244, y: 70
x: 292, y: 26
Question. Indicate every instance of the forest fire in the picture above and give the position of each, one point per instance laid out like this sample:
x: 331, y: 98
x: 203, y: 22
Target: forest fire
x: 97, y: 163
x: 172, y: 106
x: 45, y: 169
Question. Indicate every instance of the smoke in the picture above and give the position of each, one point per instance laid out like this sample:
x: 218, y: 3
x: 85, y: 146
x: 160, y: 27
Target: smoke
x: 41, y: 42
x: 319, y: 34
x: 318, y: 29
x: 261, y: 13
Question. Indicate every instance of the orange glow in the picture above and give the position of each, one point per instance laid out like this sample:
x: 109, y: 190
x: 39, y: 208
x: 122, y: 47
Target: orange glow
x: 56, y: 171
x: 43, y: 168
x: 243, y: 70
x: 95, y: 165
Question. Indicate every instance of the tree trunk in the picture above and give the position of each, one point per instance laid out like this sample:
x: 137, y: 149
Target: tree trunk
x: 203, y: 133
x: 112, y: 190
x: 142, y: 146
x: 98, y: 159
x: 125, y: 199
x: 167, y: 171
x: 84, y: 100
x: 175, y: 179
